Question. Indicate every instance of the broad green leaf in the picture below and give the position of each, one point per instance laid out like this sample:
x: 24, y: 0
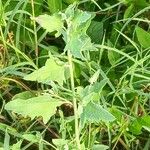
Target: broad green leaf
x: 95, y: 31
x: 44, y: 106
x: 50, y: 72
x: 51, y: 23
x: 94, y: 113
x: 77, y: 40
x: 143, y: 37
x: 97, y: 87
x: 100, y: 147
x: 94, y: 97
x: 89, y: 94
x: 54, y: 5
x: 79, y: 44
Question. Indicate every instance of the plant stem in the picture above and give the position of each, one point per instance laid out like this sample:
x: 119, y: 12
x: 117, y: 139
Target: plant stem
x: 5, y: 46
x: 77, y: 134
x: 35, y: 32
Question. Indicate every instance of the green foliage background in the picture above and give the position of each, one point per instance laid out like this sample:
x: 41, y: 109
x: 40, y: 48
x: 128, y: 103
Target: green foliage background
x: 74, y: 74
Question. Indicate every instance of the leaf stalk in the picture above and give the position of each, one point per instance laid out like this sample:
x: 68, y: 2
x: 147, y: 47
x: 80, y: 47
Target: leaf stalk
x: 77, y: 134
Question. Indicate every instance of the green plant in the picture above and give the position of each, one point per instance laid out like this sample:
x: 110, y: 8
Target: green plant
x: 77, y: 78
x: 77, y: 44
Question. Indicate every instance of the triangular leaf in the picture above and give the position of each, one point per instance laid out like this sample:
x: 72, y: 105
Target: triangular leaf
x: 44, y: 106
x: 94, y: 113
x: 96, y: 87
x: 50, y: 72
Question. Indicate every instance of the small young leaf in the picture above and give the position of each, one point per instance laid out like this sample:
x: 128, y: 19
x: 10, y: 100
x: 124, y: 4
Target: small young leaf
x: 50, y: 23
x: 50, y: 72
x: 143, y: 37
x: 44, y: 106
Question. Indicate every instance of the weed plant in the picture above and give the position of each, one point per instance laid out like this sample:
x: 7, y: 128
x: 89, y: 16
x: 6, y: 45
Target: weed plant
x: 74, y: 75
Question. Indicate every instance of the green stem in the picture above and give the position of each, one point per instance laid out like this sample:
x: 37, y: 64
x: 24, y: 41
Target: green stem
x: 77, y: 134
x: 4, y: 44
x: 35, y: 32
